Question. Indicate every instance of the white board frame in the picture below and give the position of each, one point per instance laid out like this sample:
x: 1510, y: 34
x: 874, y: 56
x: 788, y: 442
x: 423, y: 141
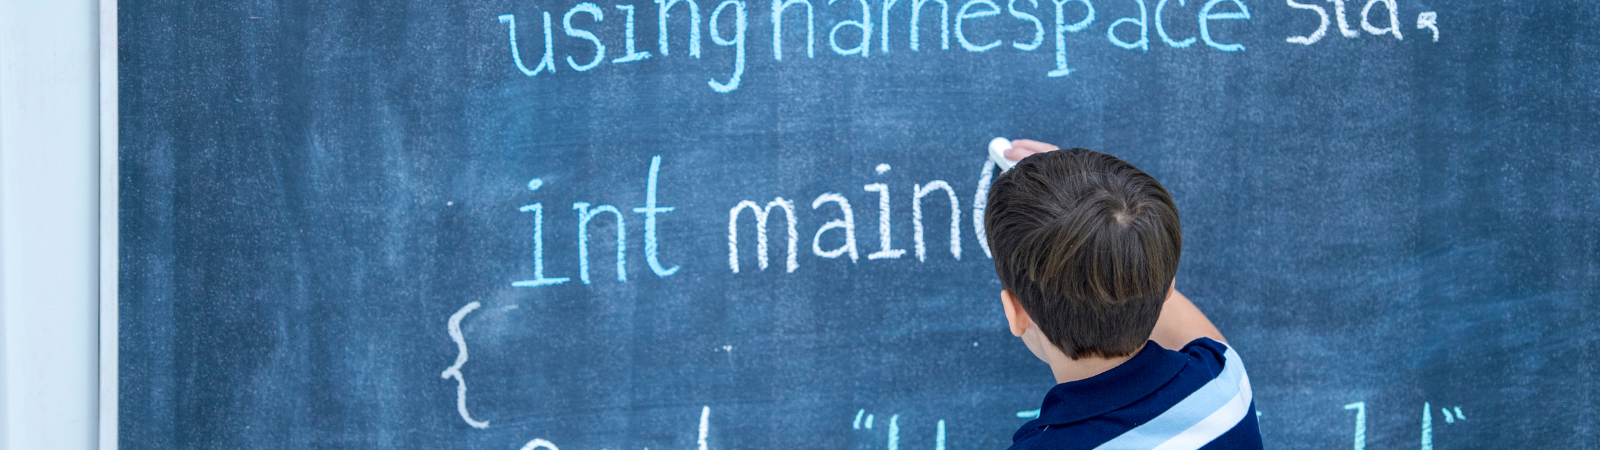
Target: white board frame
x: 109, y: 190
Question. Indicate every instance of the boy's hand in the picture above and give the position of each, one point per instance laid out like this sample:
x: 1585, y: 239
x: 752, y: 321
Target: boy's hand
x: 1022, y: 148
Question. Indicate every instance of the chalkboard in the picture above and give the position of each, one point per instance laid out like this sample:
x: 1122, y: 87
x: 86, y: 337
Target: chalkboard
x: 359, y: 224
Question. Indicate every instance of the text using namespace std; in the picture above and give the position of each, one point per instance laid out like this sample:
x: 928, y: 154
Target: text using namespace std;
x: 878, y: 27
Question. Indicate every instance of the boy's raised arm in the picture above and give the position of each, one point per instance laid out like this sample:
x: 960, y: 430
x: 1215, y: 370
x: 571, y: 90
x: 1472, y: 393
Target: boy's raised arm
x: 1181, y: 322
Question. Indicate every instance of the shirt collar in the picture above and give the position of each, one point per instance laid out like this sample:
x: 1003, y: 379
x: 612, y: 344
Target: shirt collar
x: 1124, y: 384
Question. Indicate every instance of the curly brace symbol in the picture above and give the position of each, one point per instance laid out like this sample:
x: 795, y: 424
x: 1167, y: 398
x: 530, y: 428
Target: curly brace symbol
x: 455, y: 370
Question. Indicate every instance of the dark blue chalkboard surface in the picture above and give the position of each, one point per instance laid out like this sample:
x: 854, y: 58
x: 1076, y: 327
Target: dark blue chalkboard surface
x: 543, y: 224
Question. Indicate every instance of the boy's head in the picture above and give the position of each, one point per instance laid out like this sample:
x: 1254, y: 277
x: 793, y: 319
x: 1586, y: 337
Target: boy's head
x: 1088, y: 244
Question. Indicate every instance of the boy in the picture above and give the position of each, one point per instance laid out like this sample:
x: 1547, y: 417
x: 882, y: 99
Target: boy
x: 1086, y: 247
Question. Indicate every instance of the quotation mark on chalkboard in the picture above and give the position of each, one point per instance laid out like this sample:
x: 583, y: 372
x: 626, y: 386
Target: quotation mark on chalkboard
x: 1447, y: 415
x: 1451, y: 415
x: 864, y: 422
x: 858, y: 424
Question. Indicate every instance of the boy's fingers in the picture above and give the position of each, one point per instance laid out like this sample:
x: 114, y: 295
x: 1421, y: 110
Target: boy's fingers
x: 1022, y: 148
x: 1033, y: 146
x: 1016, y: 153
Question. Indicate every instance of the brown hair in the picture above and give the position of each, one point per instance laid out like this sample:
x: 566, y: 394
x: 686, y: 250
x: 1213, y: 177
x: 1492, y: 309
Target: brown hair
x: 1088, y: 244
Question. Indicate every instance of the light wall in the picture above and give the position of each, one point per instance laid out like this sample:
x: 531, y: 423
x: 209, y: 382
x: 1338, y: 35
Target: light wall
x: 49, y: 232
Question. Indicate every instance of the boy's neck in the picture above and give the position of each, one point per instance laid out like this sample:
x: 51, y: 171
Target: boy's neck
x: 1068, y: 370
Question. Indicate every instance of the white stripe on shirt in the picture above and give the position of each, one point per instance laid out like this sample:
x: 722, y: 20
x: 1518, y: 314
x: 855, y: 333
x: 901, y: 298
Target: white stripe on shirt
x: 1201, y: 417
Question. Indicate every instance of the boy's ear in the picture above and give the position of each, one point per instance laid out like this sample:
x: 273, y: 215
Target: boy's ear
x: 1016, y: 317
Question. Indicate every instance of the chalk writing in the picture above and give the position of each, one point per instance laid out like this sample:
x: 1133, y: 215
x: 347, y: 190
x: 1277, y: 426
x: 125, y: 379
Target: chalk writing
x: 846, y: 224
x: 461, y: 359
x: 962, y: 16
x: 1426, y: 442
x: 1206, y: 16
x: 1427, y: 427
x: 1038, y: 27
x: 631, y: 55
x: 920, y: 191
x: 599, y: 48
x: 1144, y: 31
x: 778, y: 7
x: 538, y: 243
x: 1344, y: 24
x: 737, y: 42
x: 1361, y: 424
x: 547, y: 62
x: 864, y: 26
x: 584, y: 216
x: 1447, y: 415
x: 1394, y: 19
x: 651, y: 248
x: 1429, y: 21
x: 1322, y: 27
x: 694, y: 25
x: 893, y: 432
x: 537, y: 444
x: 835, y: 225
x: 886, y: 248
x: 980, y: 202
x: 761, y: 232
x: 705, y: 422
x: 916, y: 12
x: 1062, y: 29
x: 587, y: 213
x: 1161, y: 29
x: 851, y: 34
x: 701, y: 441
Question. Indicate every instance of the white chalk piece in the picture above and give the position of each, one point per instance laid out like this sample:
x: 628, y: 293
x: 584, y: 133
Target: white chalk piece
x: 997, y: 153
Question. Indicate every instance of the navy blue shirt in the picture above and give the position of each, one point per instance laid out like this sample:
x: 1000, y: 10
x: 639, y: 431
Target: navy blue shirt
x: 1195, y: 398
